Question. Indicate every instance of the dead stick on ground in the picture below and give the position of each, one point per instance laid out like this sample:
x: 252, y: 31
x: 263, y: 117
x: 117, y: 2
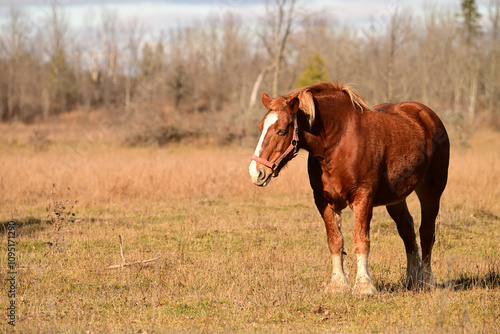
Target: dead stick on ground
x: 125, y: 264
x: 114, y: 266
x: 121, y: 248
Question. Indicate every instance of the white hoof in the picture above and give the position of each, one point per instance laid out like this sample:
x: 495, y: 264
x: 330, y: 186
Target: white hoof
x: 364, y: 286
x: 338, y: 286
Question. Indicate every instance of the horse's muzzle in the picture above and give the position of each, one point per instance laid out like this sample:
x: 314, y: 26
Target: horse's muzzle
x: 261, y: 176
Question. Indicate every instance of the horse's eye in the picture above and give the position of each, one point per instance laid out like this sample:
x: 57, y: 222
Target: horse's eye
x: 281, y: 132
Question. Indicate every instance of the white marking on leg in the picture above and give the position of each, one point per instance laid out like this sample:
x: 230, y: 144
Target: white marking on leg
x: 269, y: 121
x: 364, y: 285
x: 362, y: 262
x: 337, y: 268
x: 339, y: 280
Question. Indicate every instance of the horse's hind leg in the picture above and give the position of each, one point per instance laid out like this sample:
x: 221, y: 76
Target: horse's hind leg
x: 404, y: 222
x: 429, y: 204
x: 429, y: 192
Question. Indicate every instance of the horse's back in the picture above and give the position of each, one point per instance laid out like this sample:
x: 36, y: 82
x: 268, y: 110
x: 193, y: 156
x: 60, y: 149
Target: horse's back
x: 417, y: 116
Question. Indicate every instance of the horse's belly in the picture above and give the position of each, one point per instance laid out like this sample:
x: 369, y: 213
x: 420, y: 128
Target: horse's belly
x: 396, y: 187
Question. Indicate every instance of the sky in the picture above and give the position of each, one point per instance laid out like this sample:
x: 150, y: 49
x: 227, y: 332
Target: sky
x: 160, y: 15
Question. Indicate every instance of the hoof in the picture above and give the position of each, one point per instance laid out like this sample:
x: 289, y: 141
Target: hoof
x: 413, y: 282
x: 414, y: 272
x: 428, y: 282
x: 364, y: 287
x: 338, y: 287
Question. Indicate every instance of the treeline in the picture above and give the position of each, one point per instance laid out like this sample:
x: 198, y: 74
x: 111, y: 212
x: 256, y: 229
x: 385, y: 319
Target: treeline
x: 215, y: 67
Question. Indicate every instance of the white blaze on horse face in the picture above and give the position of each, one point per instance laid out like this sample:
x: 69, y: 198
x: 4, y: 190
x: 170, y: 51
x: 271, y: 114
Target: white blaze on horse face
x: 269, y: 121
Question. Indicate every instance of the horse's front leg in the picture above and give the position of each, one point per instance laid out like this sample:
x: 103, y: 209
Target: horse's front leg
x: 362, y: 208
x: 333, y: 224
x: 338, y: 283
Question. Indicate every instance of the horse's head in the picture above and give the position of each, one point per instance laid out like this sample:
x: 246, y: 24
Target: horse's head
x: 279, y: 134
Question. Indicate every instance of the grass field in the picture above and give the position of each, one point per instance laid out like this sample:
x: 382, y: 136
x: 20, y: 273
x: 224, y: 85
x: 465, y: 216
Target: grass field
x: 226, y: 256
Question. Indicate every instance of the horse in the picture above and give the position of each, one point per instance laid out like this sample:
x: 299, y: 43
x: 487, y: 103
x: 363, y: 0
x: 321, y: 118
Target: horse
x: 360, y: 157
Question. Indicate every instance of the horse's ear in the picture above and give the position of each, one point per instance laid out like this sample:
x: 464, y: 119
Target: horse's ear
x: 266, y: 100
x: 306, y: 104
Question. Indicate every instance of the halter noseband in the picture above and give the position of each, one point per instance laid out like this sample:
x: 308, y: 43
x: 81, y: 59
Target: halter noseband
x: 292, y: 148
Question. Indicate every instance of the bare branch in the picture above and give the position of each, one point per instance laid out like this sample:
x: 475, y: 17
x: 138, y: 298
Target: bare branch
x: 115, y: 266
x: 127, y: 264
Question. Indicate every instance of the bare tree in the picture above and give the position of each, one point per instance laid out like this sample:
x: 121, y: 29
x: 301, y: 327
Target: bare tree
x: 101, y: 45
x: 398, y: 29
x: 280, y: 16
x: 493, y: 68
x: 179, y: 80
x: 61, y: 85
x: 471, y: 37
x: 210, y: 67
x: 20, y: 84
x: 134, y: 36
x: 14, y: 49
x: 256, y: 85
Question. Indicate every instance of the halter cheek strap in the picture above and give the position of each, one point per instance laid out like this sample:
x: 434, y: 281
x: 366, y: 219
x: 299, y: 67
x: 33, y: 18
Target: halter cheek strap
x: 291, y: 150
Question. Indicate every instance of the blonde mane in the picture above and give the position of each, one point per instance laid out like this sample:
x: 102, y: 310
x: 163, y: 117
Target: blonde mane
x: 357, y: 100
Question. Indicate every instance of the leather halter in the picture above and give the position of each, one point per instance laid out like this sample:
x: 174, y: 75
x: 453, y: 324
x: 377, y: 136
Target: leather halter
x: 292, y: 150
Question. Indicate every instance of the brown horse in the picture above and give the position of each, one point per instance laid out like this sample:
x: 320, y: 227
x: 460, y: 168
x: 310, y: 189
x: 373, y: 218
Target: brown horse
x: 361, y: 157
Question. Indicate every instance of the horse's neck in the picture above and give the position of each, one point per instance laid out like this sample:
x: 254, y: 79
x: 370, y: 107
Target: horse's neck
x: 327, y: 135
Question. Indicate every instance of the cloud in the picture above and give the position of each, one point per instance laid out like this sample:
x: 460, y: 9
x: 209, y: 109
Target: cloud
x: 160, y: 14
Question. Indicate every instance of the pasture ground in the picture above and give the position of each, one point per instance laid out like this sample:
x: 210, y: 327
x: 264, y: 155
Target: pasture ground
x: 230, y: 257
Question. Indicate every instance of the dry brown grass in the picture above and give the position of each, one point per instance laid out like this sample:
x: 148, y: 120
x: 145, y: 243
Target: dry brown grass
x: 234, y: 257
